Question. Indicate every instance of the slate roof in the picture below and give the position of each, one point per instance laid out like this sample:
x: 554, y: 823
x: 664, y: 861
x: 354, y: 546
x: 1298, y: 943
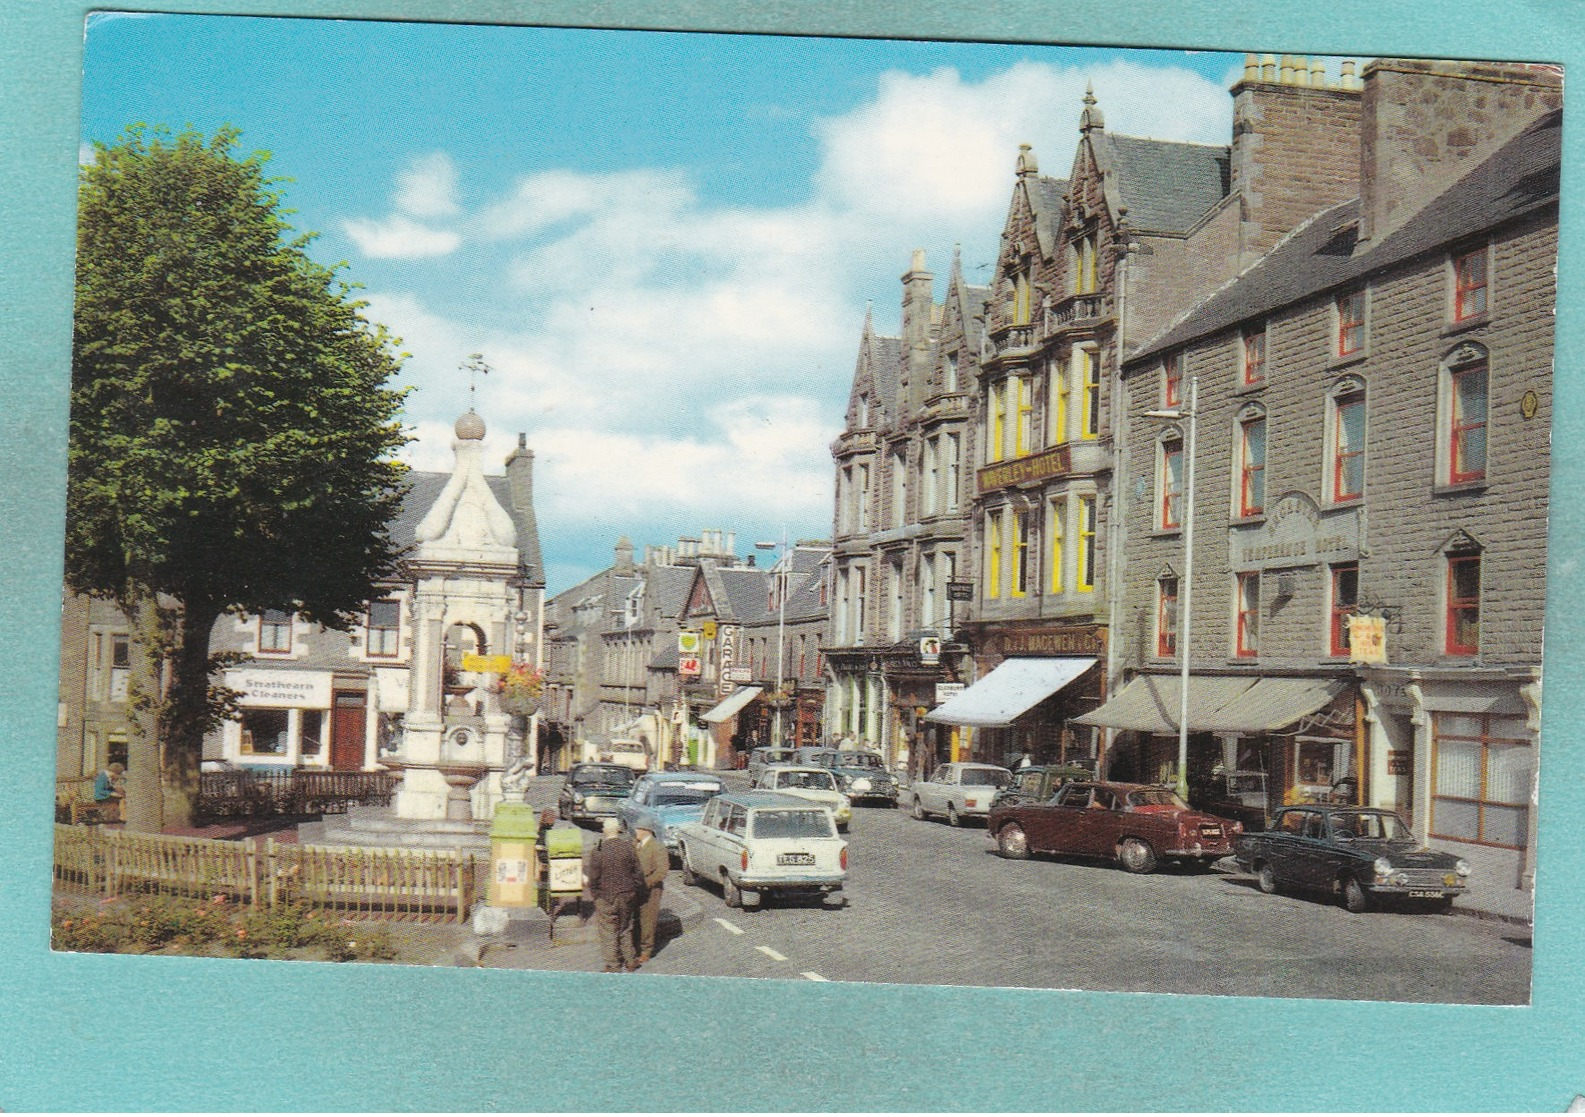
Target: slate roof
x: 747, y: 590
x: 1167, y: 186
x: 669, y: 587
x: 1519, y: 179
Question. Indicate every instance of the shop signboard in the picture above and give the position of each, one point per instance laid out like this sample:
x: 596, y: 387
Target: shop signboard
x: 305, y: 690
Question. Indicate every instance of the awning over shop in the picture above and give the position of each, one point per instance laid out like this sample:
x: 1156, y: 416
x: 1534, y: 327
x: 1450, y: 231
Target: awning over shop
x: 1273, y: 703
x: 1217, y: 703
x: 732, y: 704
x: 1150, y: 703
x: 1014, y: 687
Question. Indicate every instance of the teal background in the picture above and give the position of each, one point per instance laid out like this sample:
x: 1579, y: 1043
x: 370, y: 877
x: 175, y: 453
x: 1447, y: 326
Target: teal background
x: 103, y: 1032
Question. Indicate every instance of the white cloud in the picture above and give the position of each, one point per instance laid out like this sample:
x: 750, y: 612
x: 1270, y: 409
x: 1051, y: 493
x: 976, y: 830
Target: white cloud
x: 674, y: 358
x: 399, y: 238
x: 428, y: 187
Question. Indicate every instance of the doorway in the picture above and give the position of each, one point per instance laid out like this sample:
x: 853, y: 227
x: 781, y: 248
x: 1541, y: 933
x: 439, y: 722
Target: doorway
x: 348, y: 730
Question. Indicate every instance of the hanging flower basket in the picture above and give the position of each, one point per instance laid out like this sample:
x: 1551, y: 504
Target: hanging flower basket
x: 520, y: 689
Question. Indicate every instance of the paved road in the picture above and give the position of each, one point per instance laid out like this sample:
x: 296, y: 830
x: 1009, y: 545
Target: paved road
x: 934, y: 905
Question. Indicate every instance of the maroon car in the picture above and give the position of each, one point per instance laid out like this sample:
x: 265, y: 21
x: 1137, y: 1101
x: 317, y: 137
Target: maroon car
x: 1138, y: 824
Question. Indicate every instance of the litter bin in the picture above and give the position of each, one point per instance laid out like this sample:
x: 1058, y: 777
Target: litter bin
x: 512, y: 868
x: 561, y: 879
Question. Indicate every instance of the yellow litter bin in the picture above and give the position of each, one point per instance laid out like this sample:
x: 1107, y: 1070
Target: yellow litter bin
x: 513, y: 872
x: 562, y: 880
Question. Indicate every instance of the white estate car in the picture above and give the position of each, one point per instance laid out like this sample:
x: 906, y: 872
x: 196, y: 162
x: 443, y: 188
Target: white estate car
x: 818, y: 785
x: 758, y: 843
x: 958, y: 791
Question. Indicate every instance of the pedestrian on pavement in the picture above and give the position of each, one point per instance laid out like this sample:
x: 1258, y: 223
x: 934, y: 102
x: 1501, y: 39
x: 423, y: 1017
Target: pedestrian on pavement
x: 655, y: 863
x: 615, y: 880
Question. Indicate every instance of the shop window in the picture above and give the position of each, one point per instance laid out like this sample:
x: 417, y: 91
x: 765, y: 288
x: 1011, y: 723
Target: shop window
x: 312, y: 732
x: 275, y: 632
x: 1463, y: 604
x: 1169, y: 483
x: 1482, y: 767
x: 265, y: 732
x: 1252, y: 464
x: 1247, y: 639
x: 1167, y: 616
x: 1343, y: 603
x: 1086, y: 555
x: 1469, y: 285
x: 1350, y: 316
x: 384, y: 629
x: 1255, y: 355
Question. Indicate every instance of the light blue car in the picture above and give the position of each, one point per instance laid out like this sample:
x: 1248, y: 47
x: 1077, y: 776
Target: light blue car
x: 661, y: 801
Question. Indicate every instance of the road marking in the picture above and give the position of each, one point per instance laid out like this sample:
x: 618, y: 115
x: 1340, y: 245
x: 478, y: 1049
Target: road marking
x: 771, y: 954
x: 812, y: 976
x: 736, y: 930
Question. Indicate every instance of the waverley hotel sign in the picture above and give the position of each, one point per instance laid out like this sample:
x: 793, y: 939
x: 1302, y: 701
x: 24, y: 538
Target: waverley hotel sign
x: 1295, y: 532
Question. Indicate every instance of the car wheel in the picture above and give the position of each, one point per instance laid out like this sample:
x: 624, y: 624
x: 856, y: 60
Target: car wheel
x: 918, y: 810
x: 952, y: 816
x: 1012, y: 843
x: 1266, y: 877
x: 1354, y: 898
x: 689, y: 877
x: 835, y: 900
x: 1136, y: 855
x: 750, y: 900
x: 731, y: 893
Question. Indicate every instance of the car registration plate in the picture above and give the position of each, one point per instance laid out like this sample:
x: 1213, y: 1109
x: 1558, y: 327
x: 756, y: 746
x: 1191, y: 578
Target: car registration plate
x: 795, y: 859
x: 1211, y: 831
x: 1424, y: 894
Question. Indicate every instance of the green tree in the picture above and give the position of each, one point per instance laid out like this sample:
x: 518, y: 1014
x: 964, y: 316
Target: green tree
x: 232, y: 431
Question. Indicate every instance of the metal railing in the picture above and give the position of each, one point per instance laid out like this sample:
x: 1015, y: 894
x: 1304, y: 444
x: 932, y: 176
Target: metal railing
x: 247, y: 793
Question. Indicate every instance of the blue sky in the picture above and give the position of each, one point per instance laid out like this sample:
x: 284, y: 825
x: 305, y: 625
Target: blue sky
x: 662, y: 243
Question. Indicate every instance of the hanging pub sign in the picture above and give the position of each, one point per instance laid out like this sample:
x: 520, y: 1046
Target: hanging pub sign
x: 929, y: 650
x: 1367, y: 639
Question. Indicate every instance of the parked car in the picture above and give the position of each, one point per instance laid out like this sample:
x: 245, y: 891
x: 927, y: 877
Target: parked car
x: 1232, y: 793
x: 593, y: 791
x: 1139, y: 825
x: 662, y: 801
x: 818, y: 785
x: 629, y: 754
x: 958, y: 791
x: 1037, y: 783
x: 1354, y: 853
x: 763, y: 758
x: 756, y: 844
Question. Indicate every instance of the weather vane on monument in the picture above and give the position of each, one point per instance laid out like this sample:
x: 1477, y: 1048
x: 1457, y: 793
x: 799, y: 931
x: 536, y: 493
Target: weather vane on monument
x: 476, y: 366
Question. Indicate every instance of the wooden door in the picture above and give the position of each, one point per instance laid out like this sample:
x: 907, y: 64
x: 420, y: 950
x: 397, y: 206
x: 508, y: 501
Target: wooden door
x: 348, y: 730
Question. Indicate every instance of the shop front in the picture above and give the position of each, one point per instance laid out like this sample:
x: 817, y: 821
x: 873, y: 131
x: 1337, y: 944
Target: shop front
x: 1023, y: 705
x: 1295, y: 738
x: 290, y: 719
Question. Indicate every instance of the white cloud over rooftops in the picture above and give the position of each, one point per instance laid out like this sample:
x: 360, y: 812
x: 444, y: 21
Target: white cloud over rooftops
x: 680, y: 351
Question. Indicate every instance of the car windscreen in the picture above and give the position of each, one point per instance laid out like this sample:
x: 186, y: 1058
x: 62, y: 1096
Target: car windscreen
x: 792, y: 824
x: 1370, y: 826
x: 1156, y: 797
x: 819, y: 781
x: 605, y: 773
x: 859, y: 760
x: 680, y: 795
x: 986, y: 777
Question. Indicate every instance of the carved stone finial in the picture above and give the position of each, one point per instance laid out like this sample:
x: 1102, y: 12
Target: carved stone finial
x: 1091, y: 119
x: 1026, y: 161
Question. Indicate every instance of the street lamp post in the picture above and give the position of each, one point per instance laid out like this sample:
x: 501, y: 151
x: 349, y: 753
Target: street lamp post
x: 1187, y: 416
x: 781, y: 633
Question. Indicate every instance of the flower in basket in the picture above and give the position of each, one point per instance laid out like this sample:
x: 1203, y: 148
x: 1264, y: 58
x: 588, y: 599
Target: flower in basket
x: 520, y: 689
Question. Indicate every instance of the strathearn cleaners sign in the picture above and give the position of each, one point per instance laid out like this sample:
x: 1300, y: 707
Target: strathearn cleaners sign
x: 308, y: 690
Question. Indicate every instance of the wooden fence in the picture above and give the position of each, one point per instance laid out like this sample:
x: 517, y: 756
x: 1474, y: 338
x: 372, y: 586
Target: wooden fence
x: 389, y: 883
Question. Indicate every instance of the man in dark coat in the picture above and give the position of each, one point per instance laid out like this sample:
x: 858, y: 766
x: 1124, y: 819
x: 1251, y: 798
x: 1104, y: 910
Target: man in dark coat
x: 615, y: 880
x: 655, y: 863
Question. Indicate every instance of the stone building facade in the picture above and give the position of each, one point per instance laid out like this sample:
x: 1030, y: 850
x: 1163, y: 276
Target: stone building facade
x: 1371, y: 404
x: 900, y: 525
x: 1088, y: 267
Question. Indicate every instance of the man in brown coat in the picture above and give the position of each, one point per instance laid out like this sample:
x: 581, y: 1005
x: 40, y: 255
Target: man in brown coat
x: 655, y: 863
x: 614, y: 880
